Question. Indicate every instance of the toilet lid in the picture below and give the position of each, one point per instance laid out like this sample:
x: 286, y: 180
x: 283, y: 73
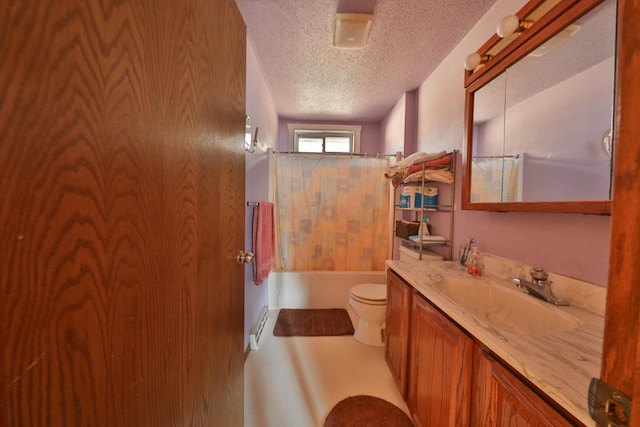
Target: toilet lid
x: 370, y: 292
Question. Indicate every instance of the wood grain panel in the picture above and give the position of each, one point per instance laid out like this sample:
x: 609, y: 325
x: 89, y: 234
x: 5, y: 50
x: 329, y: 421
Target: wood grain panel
x: 502, y: 399
x: 122, y: 187
x: 397, y: 330
x: 513, y: 404
x: 621, y: 353
x: 440, y: 370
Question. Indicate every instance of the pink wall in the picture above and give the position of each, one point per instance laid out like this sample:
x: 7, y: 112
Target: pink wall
x: 370, y: 136
x: 392, y: 127
x: 399, y: 129
x: 573, y: 245
x: 411, y: 121
x: 263, y: 114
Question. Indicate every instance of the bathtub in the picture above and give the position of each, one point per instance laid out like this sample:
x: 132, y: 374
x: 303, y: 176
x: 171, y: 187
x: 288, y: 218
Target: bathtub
x: 317, y: 289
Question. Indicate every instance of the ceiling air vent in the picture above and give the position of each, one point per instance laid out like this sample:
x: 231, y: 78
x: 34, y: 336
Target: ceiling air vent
x: 352, y: 29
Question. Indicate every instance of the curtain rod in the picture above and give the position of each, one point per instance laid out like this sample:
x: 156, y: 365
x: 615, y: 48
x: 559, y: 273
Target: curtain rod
x: 296, y: 153
x: 512, y: 156
x: 334, y: 154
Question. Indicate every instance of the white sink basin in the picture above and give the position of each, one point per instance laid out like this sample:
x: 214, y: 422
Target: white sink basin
x: 506, y: 309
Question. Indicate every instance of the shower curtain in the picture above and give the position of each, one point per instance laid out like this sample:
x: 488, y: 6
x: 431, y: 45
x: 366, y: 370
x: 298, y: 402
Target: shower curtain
x: 332, y: 213
x: 497, y: 179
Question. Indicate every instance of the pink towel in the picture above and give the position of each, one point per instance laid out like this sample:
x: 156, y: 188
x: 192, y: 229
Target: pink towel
x: 431, y: 165
x: 263, y: 241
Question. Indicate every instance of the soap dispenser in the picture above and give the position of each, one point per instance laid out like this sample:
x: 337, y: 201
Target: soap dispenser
x: 474, y: 268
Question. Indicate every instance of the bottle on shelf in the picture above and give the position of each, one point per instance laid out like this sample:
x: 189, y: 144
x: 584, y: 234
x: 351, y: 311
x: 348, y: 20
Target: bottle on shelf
x: 425, y: 227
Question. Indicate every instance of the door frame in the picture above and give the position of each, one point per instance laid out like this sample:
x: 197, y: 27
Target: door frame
x: 621, y: 356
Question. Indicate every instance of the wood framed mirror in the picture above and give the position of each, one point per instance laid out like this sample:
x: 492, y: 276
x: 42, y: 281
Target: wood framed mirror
x: 539, y: 112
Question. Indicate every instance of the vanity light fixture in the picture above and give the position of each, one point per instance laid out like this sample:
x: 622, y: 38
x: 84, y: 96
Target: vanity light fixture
x: 512, y: 24
x: 474, y: 59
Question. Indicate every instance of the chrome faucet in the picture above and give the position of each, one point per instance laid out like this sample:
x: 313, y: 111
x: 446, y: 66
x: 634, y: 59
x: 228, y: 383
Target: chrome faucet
x: 539, y: 286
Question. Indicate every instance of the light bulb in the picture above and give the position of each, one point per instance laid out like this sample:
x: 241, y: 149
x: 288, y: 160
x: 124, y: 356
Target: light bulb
x: 472, y: 61
x: 509, y: 25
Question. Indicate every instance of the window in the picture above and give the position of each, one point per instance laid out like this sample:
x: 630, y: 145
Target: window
x: 323, y: 142
x: 306, y: 138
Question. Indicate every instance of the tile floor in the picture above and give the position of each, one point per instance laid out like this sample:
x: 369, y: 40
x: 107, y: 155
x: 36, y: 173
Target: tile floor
x: 295, y: 381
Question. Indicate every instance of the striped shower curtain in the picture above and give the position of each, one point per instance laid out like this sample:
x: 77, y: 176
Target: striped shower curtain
x: 332, y: 213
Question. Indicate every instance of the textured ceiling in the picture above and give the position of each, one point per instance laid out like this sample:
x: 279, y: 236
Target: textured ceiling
x: 310, y: 79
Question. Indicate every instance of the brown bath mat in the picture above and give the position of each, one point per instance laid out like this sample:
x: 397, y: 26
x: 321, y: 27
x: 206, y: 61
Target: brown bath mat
x: 366, y: 411
x: 313, y: 322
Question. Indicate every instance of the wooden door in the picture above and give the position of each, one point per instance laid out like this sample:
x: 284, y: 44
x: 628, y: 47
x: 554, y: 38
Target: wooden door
x: 121, y: 209
x: 502, y: 400
x: 621, y: 353
x: 397, y: 329
x: 441, y: 364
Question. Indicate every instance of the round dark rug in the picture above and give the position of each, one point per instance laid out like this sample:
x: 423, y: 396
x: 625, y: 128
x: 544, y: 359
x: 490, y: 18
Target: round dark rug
x: 366, y: 411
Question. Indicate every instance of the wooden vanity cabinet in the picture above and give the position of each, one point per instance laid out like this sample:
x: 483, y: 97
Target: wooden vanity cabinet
x: 447, y: 378
x: 500, y: 399
x: 397, y: 329
x: 441, y: 365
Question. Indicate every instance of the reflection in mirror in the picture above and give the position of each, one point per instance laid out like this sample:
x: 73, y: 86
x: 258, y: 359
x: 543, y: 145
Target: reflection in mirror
x: 555, y: 120
x: 487, y: 167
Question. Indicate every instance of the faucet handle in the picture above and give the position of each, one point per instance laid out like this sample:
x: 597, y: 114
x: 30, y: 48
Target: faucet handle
x: 538, y: 273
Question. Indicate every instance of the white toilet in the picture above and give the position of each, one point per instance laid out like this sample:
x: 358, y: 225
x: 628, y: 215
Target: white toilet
x: 369, y: 302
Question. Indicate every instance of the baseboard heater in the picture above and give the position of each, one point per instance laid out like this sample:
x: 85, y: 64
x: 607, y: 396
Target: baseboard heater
x: 258, y: 328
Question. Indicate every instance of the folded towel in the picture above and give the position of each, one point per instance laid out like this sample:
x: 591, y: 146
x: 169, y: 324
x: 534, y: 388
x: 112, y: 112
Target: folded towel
x: 429, y: 158
x: 427, y: 238
x: 413, y: 159
x: 430, y: 175
x: 437, y: 164
x: 398, y: 171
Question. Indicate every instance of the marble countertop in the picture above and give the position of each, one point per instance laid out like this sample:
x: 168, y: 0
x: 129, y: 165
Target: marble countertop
x: 561, y: 364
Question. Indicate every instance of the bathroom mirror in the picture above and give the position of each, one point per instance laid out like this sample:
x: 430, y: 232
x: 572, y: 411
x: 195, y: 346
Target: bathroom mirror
x: 539, y: 122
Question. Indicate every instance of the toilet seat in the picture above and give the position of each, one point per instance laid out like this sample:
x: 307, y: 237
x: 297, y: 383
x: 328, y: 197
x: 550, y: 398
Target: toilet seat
x: 370, y: 294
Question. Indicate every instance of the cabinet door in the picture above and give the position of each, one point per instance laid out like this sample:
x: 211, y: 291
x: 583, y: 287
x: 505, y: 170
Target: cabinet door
x: 441, y: 362
x: 397, y: 330
x: 502, y: 400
